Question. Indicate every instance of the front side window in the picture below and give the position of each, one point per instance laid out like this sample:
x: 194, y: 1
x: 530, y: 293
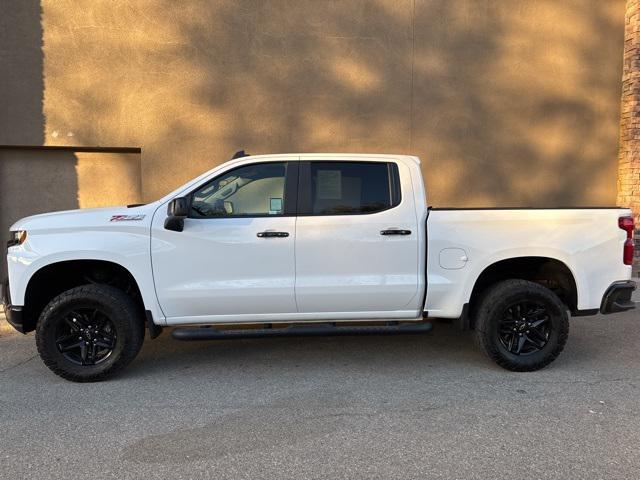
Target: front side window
x: 348, y: 188
x: 251, y: 190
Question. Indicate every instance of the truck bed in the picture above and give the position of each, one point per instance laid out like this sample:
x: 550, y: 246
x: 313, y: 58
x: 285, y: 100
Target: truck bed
x: 463, y: 242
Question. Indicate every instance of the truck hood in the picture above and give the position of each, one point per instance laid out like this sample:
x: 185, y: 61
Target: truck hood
x: 109, y: 217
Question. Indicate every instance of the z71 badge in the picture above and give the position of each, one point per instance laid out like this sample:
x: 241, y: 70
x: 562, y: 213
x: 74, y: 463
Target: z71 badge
x: 127, y: 218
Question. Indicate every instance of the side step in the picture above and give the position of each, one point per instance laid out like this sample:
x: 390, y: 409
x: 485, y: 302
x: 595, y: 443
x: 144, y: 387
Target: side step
x: 318, y: 329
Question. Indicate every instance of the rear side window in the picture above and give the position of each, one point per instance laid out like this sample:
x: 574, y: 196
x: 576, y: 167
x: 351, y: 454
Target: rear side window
x: 351, y: 188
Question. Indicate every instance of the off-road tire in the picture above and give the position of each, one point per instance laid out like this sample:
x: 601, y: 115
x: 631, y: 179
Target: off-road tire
x: 493, y: 306
x: 123, y: 314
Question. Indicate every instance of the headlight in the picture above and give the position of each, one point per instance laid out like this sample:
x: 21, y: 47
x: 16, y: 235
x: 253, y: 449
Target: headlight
x: 17, y: 237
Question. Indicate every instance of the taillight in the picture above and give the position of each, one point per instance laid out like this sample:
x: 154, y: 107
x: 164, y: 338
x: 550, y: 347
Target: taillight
x: 626, y: 224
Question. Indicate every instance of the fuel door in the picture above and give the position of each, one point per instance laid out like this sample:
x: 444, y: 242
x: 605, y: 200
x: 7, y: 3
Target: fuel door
x: 453, y: 258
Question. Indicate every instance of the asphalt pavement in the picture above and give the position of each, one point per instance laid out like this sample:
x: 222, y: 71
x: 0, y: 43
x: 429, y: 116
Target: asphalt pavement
x: 408, y: 406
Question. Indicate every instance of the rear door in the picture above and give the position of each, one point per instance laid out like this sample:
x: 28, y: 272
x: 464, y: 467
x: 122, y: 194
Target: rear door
x: 356, y: 239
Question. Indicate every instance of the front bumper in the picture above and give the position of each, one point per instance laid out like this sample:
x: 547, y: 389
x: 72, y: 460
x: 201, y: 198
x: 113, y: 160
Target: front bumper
x: 617, y: 298
x: 11, y: 312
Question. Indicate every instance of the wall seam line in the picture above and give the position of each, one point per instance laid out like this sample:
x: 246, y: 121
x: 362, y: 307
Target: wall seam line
x: 413, y: 57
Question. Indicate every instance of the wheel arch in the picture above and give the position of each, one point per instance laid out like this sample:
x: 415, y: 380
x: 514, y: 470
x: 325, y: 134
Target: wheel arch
x: 547, y: 271
x: 51, y: 279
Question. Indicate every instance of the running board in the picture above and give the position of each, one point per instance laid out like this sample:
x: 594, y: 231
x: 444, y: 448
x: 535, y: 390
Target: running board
x: 322, y: 329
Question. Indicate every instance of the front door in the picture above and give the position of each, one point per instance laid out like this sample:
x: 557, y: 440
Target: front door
x: 356, y: 240
x: 234, y: 259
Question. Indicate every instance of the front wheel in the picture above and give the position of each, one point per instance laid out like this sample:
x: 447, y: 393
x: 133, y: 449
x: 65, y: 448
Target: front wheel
x: 88, y: 333
x: 521, y: 325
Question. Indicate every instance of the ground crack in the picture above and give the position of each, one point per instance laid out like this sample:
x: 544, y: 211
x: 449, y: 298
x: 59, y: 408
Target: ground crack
x: 18, y: 364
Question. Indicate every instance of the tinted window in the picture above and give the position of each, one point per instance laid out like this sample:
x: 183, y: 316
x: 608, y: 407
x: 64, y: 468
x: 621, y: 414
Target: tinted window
x: 342, y: 188
x: 252, y: 190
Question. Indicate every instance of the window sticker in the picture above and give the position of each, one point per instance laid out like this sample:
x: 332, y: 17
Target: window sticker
x: 275, y: 206
x: 329, y: 184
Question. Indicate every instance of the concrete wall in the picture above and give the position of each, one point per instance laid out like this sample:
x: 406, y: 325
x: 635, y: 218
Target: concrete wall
x: 21, y: 73
x: 507, y: 102
x: 38, y: 181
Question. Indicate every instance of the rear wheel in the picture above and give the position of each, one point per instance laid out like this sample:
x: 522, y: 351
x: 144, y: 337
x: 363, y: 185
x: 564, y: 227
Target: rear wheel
x: 88, y: 333
x: 521, y: 325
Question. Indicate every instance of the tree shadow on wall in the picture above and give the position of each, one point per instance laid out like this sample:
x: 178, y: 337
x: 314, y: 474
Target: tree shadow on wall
x: 495, y: 124
x: 507, y: 103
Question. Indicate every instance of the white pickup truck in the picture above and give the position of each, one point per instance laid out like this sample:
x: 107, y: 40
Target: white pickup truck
x: 306, y: 241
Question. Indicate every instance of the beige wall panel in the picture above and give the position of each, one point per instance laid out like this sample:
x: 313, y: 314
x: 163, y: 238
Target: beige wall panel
x: 518, y: 102
x: 508, y: 102
x: 106, y: 179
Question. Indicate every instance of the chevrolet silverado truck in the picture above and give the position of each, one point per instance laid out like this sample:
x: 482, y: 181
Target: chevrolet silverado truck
x: 302, y: 240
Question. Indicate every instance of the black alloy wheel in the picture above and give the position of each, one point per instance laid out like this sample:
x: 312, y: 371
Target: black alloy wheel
x: 88, y: 333
x: 86, y: 336
x: 524, y: 328
x: 521, y: 325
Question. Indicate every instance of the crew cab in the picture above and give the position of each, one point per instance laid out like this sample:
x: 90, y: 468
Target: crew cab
x: 302, y: 240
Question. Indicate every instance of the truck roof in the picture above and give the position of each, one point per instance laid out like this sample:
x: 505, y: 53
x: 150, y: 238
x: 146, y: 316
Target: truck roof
x: 342, y: 156
x: 294, y: 156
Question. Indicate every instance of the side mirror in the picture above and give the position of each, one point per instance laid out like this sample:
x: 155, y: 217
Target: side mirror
x: 178, y: 207
x: 177, y: 211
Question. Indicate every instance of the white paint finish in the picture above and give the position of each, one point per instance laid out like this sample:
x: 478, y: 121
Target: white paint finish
x: 85, y: 235
x: 220, y: 267
x: 587, y: 241
x: 453, y: 258
x: 344, y: 264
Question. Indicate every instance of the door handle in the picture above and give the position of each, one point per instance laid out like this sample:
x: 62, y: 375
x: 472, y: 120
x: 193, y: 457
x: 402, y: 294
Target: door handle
x: 395, y: 231
x: 271, y: 233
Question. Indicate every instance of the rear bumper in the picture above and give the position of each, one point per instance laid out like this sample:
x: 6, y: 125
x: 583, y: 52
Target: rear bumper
x: 11, y: 312
x: 617, y: 298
